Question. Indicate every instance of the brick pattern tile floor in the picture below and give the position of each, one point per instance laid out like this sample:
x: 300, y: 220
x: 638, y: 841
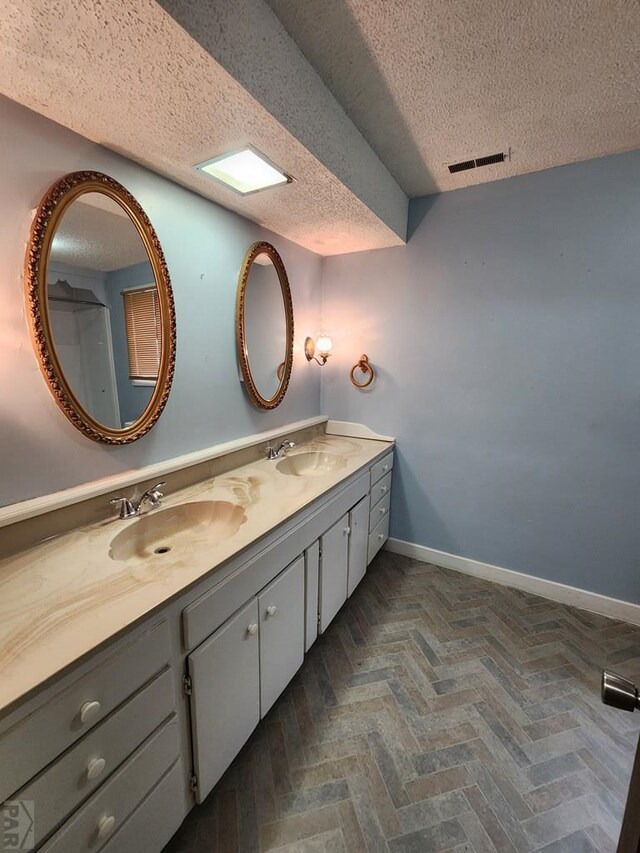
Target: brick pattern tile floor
x: 439, y: 712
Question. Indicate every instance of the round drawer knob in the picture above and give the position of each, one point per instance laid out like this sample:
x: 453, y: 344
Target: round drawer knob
x: 89, y: 711
x: 347, y: 531
x: 383, y: 509
x: 106, y: 825
x: 252, y: 629
x: 380, y: 535
x: 385, y: 468
x: 95, y: 768
x: 272, y: 610
x: 383, y: 489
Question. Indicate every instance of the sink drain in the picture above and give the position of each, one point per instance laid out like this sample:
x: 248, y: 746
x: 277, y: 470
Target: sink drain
x: 163, y: 549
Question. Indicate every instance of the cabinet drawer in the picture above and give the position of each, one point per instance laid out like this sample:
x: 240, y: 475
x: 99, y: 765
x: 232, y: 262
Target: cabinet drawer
x: 35, y: 741
x: 381, y: 489
x: 74, y: 776
x: 155, y: 820
x: 378, y: 537
x: 379, y: 511
x: 381, y: 468
x: 102, y: 815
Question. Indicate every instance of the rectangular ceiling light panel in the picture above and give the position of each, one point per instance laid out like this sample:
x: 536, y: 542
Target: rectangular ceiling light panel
x: 245, y: 171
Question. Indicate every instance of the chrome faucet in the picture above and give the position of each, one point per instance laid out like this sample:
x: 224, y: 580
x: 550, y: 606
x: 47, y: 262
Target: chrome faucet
x: 272, y: 453
x: 131, y: 509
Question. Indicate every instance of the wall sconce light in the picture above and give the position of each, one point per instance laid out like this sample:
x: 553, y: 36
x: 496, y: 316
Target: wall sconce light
x: 322, y: 346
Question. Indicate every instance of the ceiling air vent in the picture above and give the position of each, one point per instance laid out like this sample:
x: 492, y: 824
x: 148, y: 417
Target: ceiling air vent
x: 479, y: 161
x: 492, y: 158
x: 462, y: 167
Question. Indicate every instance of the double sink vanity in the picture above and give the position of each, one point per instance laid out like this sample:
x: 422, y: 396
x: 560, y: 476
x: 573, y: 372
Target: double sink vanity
x: 138, y: 654
x: 142, y: 643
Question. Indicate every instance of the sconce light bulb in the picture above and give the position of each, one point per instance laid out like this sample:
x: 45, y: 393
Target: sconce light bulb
x: 324, y: 344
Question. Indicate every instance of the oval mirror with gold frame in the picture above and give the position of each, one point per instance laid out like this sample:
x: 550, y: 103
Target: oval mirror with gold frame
x: 100, y: 307
x: 264, y: 326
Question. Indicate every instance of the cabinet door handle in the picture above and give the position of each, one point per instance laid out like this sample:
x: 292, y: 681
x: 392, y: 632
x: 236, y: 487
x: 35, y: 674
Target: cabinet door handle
x: 380, y: 535
x: 95, y: 768
x: 252, y: 629
x: 383, y: 489
x: 385, y: 468
x: 272, y: 610
x: 347, y: 531
x: 383, y: 509
x: 106, y: 825
x: 89, y: 711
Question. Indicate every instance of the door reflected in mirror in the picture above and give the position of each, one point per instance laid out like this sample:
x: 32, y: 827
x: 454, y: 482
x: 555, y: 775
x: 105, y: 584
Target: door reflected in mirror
x: 104, y: 311
x: 264, y: 326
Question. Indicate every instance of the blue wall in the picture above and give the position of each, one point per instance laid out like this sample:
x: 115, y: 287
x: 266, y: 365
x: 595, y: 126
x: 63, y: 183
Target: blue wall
x: 507, y: 339
x: 505, y: 334
x: 204, y: 244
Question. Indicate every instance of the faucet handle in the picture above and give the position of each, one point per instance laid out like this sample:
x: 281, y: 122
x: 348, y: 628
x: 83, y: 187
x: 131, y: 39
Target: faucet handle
x: 127, y: 509
x: 286, y: 445
x: 153, y: 495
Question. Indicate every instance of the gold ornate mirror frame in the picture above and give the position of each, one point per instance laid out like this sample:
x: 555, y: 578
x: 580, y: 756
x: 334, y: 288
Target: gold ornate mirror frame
x: 50, y: 211
x: 284, y: 370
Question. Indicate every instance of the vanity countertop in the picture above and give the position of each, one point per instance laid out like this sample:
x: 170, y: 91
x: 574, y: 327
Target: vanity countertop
x: 66, y: 596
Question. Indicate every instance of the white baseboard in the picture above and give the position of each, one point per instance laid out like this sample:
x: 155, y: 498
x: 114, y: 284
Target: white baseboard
x: 625, y: 611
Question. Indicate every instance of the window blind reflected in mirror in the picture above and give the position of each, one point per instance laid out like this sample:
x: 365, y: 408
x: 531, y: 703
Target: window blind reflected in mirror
x: 144, y: 332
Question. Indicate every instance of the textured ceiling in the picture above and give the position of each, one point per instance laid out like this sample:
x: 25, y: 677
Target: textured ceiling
x: 128, y: 76
x: 433, y: 82
x: 363, y: 101
x: 247, y: 39
x: 97, y: 236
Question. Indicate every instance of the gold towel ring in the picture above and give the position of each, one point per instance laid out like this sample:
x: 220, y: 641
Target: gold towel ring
x: 364, y: 366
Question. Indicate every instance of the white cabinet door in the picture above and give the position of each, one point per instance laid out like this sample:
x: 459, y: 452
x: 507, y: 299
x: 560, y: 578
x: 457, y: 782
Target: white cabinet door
x: 334, y: 556
x: 282, y: 608
x: 311, y: 569
x: 358, y: 543
x: 225, y: 699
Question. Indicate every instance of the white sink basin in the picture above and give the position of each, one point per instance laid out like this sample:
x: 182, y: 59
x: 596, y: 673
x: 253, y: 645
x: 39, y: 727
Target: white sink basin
x: 311, y: 463
x: 167, y: 530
